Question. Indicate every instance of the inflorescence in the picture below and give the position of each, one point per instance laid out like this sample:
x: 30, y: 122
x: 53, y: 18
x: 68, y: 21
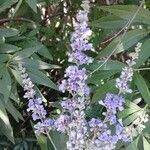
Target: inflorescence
x: 127, y: 72
x: 104, y: 134
x: 35, y: 104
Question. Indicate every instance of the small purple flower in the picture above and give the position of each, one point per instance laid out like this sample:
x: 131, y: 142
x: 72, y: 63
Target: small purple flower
x: 122, y: 81
x: 110, y: 117
x: 75, y: 81
x: 79, y: 58
x: 113, y: 102
x: 96, y: 123
x: 80, y: 40
x: 73, y: 104
x: 61, y: 123
x: 44, y: 127
x: 48, y: 123
x: 38, y: 111
x: 39, y: 128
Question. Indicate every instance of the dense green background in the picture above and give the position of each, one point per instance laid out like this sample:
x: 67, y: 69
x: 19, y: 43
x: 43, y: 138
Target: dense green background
x: 41, y: 41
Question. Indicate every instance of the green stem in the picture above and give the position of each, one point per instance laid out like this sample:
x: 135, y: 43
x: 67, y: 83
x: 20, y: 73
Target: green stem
x: 142, y: 69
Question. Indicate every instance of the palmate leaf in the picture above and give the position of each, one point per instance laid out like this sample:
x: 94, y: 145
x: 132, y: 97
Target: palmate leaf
x: 45, y: 52
x: 132, y: 105
x: 130, y: 113
x: 17, y: 7
x: 132, y: 117
x: 131, y: 109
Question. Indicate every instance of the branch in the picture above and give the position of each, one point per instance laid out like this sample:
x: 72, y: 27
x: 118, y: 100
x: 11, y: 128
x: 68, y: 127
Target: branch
x: 4, y: 20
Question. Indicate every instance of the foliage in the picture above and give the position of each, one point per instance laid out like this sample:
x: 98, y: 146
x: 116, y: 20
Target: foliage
x: 37, y: 33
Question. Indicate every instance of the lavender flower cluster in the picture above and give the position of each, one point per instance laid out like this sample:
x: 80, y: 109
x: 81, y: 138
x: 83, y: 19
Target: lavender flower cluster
x: 80, y: 37
x: 35, y: 104
x: 113, y: 103
x: 75, y: 82
x: 103, y: 137
x: 72, y: 121
x: 127, y: 72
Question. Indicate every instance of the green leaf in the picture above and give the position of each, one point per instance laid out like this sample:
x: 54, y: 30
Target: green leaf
x: 40, y: 78
x: 59, y: 140
x: 25, y: 53
x: 101, y: 75
x: 144, y: 54
x: 126, y: 112
x: 13, y: 111
x: 4, y: 58
x: 146, y: 144
x: 8, y: 48
x: 45, y: 52
x: 8, y: 32
x: 5, y: 84
x: 130, y: 39
x: 38, y: 93
x: 2, y: 40
x: 5, y: 125
x: 17, y: 7
x: 132, y: 105
x: 2, y: 66
x: 110, y: 65
x: 17, y: 76
x: 131, y: 118
x: 133, y: 145
x: 142, y: 87
x: 147, y: 125
x: 7, y: 4
x: 38, y: 64
x: 109, y: 22
x: 32, y: 4
x: 42, y: 141
x: 102, y: 90
x: 127, y: 12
